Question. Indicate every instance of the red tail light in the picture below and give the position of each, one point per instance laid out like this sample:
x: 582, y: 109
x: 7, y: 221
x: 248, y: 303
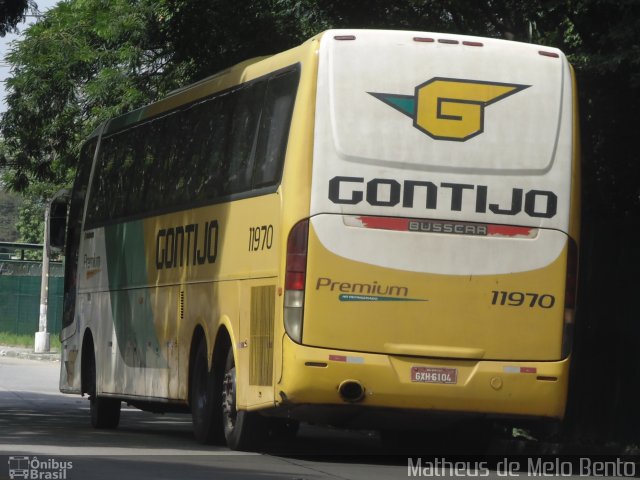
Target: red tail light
x: 295, y: 277
x: 297, y: 256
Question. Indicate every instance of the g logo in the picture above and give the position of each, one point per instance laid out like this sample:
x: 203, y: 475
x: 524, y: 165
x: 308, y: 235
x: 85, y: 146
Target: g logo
x: 449, y: 108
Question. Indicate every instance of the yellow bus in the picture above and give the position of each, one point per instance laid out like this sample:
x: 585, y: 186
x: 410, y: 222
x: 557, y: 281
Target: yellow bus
x: 373, y: 225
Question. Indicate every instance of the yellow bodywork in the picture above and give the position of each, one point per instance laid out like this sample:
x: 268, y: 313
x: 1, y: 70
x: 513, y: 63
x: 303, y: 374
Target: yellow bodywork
x: 483, y: 386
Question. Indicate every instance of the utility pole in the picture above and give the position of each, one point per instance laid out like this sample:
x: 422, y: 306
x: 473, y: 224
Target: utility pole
x: 42, y: 340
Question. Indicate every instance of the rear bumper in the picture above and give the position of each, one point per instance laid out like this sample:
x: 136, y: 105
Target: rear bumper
x: 311, y: 376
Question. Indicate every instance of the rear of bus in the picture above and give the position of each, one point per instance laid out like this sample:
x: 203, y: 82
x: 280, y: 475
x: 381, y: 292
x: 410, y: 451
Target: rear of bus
x: 436, y: 271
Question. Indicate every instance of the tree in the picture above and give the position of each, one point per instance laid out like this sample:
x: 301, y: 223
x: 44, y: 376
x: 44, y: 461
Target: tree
x: 12, y: 12
x: 606, y: 53
x: 209, y: 35
x: 83, y: 62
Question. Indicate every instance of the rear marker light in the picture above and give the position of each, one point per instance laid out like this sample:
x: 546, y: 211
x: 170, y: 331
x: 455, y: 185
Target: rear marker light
x: 346, y: 358
x: 516, y: 369
x: 423, y: 39
x: 473, y: 44
x: 448, y: 42
x: 548, y: 54
x: 344, y: 37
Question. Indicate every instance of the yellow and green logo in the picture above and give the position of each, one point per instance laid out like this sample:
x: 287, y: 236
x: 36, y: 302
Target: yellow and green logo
x: 450, y: 108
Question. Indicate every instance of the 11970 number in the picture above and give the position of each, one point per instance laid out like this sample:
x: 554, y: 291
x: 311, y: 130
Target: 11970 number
x: 519, y: 299
x: 260, y: 238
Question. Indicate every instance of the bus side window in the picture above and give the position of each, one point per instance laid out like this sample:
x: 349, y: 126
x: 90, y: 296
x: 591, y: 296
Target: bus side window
x: 127, y: 175
x: 75, y: 230
x: 205, y: 145
x: 244, y: 128
x: 274, y: 128
x: 145, y: 171
x: 103, y: 180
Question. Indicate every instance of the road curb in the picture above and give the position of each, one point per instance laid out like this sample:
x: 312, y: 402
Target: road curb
x: 25, y: 353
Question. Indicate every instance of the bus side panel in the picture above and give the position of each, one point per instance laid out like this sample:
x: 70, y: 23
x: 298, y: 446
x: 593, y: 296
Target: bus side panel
x: 205, y: 264
x: 144, y: 290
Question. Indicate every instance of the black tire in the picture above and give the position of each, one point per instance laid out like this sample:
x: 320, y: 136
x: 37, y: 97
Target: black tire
x: 205, y: 399
x: 105, y: 412
x: 243, y: 430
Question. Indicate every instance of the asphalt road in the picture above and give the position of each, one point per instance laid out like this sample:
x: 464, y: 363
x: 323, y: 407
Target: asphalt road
x: 49, y: 434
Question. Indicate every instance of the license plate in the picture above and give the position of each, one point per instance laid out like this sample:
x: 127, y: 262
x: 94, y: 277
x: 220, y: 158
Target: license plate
x: 434, y: 375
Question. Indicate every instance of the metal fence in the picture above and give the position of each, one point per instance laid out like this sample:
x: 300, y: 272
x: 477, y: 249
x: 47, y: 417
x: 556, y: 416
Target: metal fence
x: 20, y: 296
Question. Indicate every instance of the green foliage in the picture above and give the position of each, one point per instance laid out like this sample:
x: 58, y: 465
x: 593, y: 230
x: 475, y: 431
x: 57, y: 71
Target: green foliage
x: 206, y: 36
x: 605, y: 49
x: 30, y: 223
x: 84, y: 62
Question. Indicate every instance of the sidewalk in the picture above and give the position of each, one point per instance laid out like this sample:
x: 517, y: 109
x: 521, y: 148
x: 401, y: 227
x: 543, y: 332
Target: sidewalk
x: 28, y: 353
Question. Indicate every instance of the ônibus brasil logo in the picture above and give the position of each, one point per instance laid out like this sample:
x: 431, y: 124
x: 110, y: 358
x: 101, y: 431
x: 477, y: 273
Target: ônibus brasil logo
x: 450, y: 108
x: 31, y: 468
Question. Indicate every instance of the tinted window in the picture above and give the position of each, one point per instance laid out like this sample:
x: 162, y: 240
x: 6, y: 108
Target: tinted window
x: 274, y: 128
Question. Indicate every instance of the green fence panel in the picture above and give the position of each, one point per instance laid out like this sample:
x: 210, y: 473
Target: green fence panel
x: 20, y: 283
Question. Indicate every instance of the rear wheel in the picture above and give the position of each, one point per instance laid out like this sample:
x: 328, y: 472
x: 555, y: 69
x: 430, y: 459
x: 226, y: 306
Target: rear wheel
x: 105, y: 412
x: 204, y: 395
x: 243, y: 430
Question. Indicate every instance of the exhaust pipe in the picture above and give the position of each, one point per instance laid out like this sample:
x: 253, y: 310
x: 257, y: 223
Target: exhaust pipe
x: 351, y: 391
